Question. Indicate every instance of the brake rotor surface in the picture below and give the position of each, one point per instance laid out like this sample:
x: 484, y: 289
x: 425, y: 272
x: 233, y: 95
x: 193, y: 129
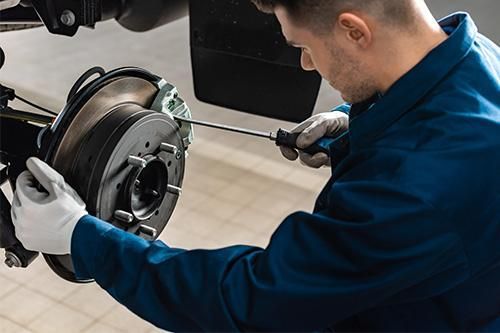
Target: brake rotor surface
x: 124, y: 160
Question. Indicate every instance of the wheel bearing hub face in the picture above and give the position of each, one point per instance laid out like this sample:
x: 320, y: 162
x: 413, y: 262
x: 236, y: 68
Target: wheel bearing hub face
x: 147, y: 187
x: 125, y: 161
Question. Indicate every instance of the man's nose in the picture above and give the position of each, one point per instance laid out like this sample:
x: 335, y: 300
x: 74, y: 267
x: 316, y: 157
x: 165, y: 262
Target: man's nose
x: 306, y: 62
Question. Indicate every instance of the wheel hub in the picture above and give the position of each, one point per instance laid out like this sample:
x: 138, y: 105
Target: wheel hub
x: 124, y: 159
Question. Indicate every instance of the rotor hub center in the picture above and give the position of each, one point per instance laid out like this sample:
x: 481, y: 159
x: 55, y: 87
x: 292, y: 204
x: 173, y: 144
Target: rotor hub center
x: 147, y: 189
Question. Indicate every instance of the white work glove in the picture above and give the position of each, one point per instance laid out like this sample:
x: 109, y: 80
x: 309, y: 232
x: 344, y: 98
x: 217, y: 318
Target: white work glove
x: 313, y: 129
x: 44, y: 221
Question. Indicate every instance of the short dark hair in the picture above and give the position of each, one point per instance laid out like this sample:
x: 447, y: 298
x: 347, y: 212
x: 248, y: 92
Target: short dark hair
x: 319, y: 13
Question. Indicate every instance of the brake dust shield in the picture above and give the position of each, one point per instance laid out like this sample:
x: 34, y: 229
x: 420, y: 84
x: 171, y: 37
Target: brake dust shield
x: 125, y: 161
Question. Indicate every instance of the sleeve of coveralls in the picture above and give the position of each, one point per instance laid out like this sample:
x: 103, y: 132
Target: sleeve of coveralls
x: 375, y: 245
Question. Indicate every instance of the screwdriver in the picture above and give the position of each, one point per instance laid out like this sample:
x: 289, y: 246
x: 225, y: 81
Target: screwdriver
x: 281, y: 137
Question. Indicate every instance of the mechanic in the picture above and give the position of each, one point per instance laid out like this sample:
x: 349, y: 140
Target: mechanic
x: 404, y: 237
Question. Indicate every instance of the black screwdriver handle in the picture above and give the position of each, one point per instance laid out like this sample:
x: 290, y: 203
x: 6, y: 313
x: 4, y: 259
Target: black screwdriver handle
x: 286, y: 139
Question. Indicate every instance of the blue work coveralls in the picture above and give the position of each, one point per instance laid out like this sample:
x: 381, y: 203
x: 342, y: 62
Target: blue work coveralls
x: 404, y: 237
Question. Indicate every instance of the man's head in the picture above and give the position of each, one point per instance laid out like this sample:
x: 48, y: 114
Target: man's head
x: 349, y: 42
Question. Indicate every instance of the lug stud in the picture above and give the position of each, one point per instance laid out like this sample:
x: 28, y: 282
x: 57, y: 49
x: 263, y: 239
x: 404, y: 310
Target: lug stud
x: 148, y: 231
x: 137, y: 161
x: 169, y: 148
x: 123, y: 216
x: 152, y: 192
x: 174, y: 190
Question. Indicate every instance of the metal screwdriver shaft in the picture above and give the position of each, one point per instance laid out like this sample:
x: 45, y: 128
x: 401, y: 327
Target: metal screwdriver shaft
x: 282, y: 137
x: 261, y: 134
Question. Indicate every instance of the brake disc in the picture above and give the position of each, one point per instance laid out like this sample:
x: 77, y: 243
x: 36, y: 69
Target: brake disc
x: 118, y: 145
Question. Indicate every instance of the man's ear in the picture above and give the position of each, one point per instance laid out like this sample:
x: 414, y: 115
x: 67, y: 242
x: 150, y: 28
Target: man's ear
x: 355, y: 29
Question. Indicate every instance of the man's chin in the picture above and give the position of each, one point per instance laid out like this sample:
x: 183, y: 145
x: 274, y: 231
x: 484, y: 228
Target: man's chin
x: 346, y: 98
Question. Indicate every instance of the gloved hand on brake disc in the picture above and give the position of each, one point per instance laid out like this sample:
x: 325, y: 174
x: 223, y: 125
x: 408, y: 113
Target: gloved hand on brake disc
x: 313, y: 129
x: 44, y: 221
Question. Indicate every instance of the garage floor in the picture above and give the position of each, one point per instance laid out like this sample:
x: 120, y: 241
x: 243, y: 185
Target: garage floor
x: 237, y: 189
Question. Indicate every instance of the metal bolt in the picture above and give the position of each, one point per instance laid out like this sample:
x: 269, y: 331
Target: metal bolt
x: 68, y: 18
x: 174, y: 190
x: 152, y: 192
x: 148, y: 231
x: 178, y: 155
x: 123, y: 216
x: 11, y: 260
x: 137, y: 161
x: 169, y: 148
x: 10, y: 263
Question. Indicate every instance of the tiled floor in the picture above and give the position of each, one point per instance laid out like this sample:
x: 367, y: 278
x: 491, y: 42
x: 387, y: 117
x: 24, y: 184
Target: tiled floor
x: 236, y: 189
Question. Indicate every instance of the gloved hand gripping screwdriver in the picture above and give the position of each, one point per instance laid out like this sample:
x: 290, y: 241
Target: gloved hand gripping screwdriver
x: 282, y: 137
